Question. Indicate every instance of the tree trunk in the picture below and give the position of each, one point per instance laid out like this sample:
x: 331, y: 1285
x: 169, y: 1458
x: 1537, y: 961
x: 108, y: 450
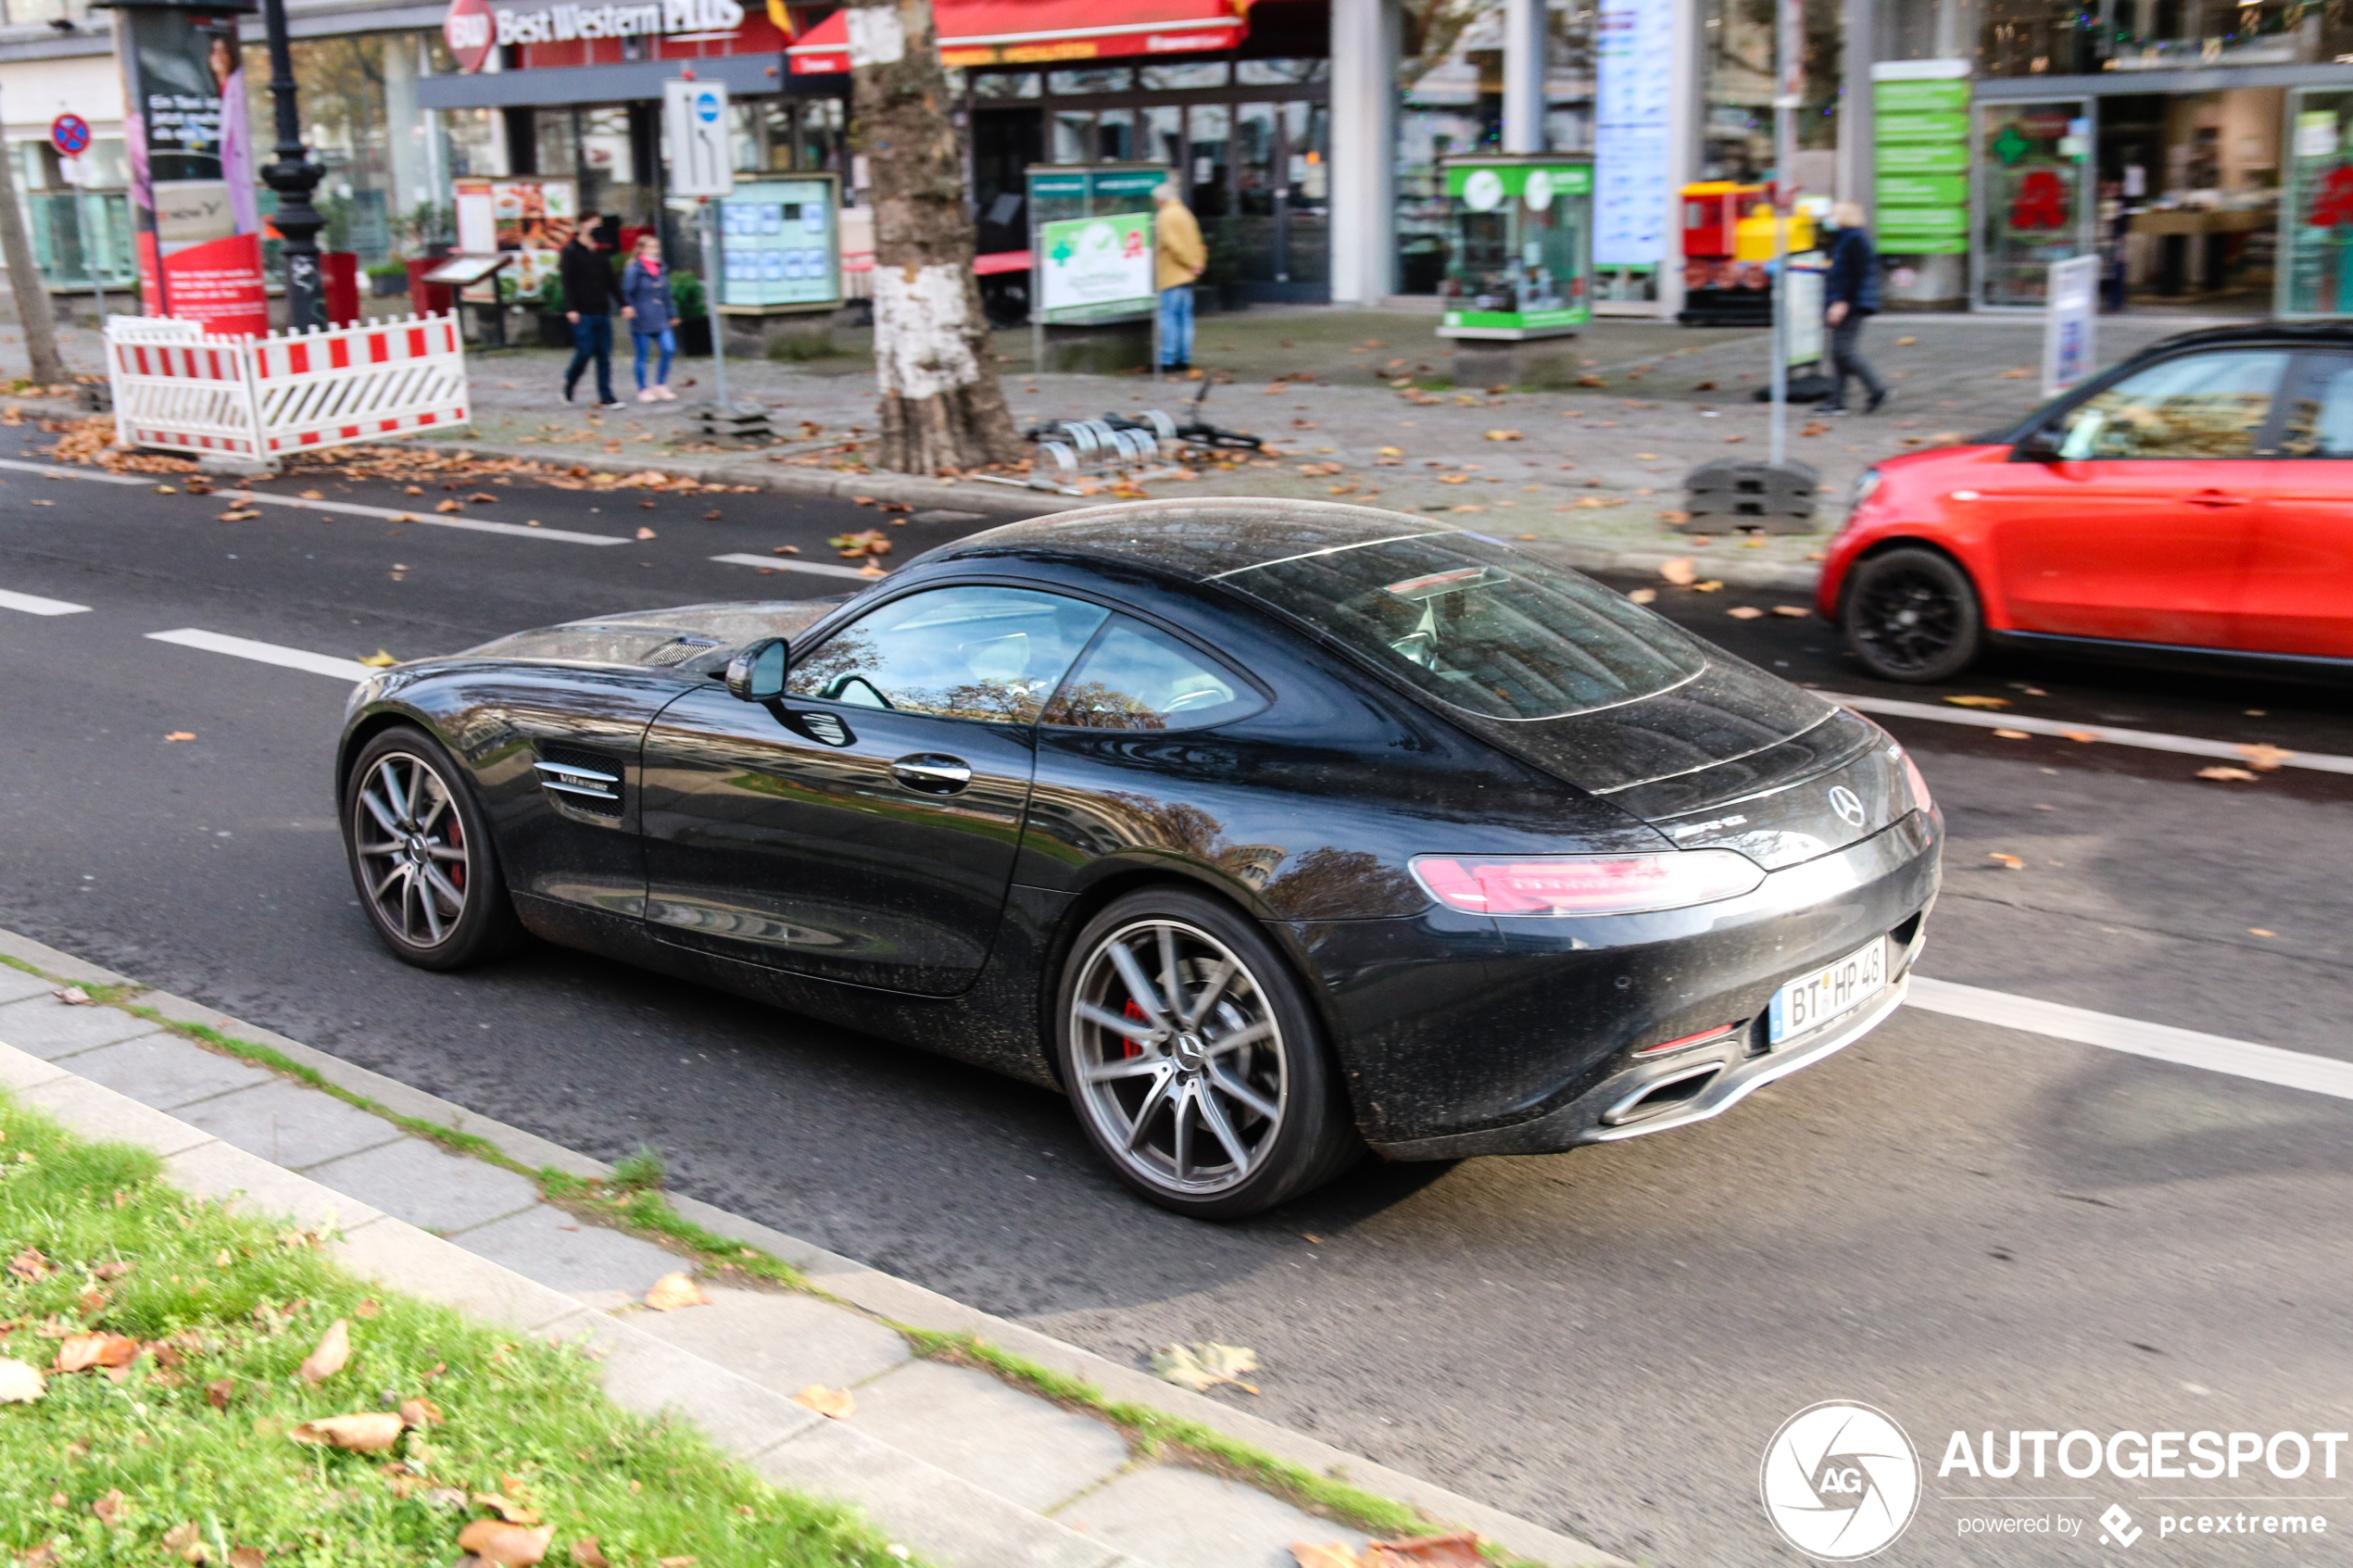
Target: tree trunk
x: 942, y: 407
x: 32, y: 295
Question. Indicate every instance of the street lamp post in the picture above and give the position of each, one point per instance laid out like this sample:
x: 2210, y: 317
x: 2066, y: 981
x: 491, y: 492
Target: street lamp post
x: 294, y: 177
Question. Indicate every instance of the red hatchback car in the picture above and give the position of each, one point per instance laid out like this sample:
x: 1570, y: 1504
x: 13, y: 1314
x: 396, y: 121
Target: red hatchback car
x: 2196, y: 500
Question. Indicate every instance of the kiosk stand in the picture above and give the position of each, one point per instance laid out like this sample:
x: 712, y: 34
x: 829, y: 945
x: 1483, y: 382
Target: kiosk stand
x: 1093, y: 306
x: 1517, y: 277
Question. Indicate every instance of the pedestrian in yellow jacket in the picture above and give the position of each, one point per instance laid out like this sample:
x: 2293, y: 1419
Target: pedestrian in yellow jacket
x: 1178, y: 257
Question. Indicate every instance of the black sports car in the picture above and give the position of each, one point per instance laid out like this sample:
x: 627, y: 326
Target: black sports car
x: 1266, y: 829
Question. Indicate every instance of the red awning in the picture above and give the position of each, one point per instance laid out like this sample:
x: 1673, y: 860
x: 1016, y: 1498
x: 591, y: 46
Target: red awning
x: 989, y: 32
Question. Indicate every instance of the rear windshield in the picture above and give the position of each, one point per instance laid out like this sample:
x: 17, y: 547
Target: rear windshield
x: 1479, y: 625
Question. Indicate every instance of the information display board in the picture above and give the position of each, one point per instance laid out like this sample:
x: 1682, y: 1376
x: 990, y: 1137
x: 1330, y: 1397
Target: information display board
x: 1921, y: 156
x: 1091, y: 240
x: 779, y: 243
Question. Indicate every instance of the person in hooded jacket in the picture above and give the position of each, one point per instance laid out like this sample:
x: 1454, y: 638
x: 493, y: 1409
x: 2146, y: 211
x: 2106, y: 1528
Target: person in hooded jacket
x: 1850, y: 297
x: 645, y: 304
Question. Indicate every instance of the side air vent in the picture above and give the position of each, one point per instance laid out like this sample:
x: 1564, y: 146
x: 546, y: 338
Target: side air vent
x: 585, y: 780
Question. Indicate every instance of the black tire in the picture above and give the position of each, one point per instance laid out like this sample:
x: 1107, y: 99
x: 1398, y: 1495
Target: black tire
x: 406, y: 807
x: 1912, y: 615
x: 1185, y: 1083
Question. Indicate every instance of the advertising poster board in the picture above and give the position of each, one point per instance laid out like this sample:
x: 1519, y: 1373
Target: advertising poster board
x: 1096, y: 268
x: 2069, y: 321
x: 778, y: 246
x: 194, y: 203
x: 531, y: 218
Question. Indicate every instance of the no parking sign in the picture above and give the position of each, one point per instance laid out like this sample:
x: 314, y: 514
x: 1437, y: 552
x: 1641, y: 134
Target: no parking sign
x: 69, y: 133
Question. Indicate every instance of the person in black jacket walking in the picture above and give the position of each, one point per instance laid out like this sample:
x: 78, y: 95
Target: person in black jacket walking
x: 1850, y: 295
x: 588, y: 297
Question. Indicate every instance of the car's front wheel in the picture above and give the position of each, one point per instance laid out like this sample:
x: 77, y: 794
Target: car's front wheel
x: 1195, y: 1063
x: 422, y: 856
x: 1912, y: 615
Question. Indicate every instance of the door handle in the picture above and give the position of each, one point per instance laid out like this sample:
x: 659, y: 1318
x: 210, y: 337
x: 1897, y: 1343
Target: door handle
x: 2216, y: 498
x: 931, y: 773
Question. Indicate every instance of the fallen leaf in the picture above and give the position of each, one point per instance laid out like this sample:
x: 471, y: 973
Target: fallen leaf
x: 73, y: 996
x: 1331, y: 1554
x: 1905, y: 341
x: 367, y: 1432
x: 404, y: 517
x: 413, y: 490
x: 1969, y: 699
x: 1681, y: 571
x: 508, y: 1509
x: 1711, y: 586
x: 314, y: 495
x: 40, y: 1557
x: 2259, y: 930
x: 2239, y: 774
x: 1795, y: 612
x: 1746, y: 612
x: 510, y: 1546
x: 334, y: 1350
x: 585, y: 1553
x: 1203, y: 1366
x: 785, y: 550
x: 80, y: 1352
x: 2085, y: 736
x: 187, y: 1541
x: 181, y: 734
x: 218, y: 1394
x: 20, y: 1384
x: 452, y: 504
x: 673, y: 1291
x: 836, y: 1403
x: 246, y: 1556
x: 2015, y: 375
x: 675, y: 1561
x: 379, y: 661
x: 477, y: 496
x: 1425, y: 1551
x: 1643, y: 596
x: 2011, y: 734
x: 646, y: 533
x: 2012, y: 862
x: 2264, y: 759
x: 1503, y: 435
x: 420, y: 1413
x: 30, y: 1265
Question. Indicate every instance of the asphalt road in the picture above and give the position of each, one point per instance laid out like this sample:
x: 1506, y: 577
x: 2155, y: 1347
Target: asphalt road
x: 1970, y: 1227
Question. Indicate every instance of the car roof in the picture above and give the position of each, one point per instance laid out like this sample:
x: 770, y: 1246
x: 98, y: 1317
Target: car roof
x: 1198, y: 539
x: 2289, y: 333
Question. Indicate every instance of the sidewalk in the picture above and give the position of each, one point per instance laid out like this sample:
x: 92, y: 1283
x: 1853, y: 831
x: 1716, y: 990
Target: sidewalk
x: 975, y: 1442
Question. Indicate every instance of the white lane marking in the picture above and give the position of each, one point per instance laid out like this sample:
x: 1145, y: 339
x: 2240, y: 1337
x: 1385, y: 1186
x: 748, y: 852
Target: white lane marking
x: 267, y: 653
x: 782, y: 563
x: 2160, y: 1041
x: 2148, y: 740
x: 352, y: 508
x: 33, y: 604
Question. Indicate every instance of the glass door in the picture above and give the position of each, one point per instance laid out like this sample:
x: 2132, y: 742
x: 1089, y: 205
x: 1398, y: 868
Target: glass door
x: 2036, y: 201
x: 2315, y: 275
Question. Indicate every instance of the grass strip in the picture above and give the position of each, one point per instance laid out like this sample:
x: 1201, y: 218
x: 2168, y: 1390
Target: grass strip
x: 184, y: 1454
x: 631, y: 1201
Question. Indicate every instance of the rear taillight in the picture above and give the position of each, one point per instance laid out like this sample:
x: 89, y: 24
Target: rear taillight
x: 1705, y: 1038
x: 1586, y: 884
x: 1921, y: 800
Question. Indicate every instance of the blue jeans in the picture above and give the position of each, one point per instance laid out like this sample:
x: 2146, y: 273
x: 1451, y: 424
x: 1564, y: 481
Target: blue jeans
x: 592, y: 339
x: 646, y: 341
x: 1177, y: 325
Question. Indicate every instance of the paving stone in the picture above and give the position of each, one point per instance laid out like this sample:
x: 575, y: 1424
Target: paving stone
x: 21, y: 1070
x: 1175, y: 1518
x: 643, y: 1375
x: 548, y: 1244
x: 96, y: 1111
x: 780, y: 1341
x: 288, y: 1125
x: 946, y: 1521
x: 50, y: 1028
x: 255, y: 1185
x: 16, y: 985
x: 433, y: 1190
x: 1021, y: 1448
x: 166, y: 1071
x: 405, y: 1258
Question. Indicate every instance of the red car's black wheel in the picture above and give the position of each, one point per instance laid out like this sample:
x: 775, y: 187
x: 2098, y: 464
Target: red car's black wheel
x: 1912, y: 615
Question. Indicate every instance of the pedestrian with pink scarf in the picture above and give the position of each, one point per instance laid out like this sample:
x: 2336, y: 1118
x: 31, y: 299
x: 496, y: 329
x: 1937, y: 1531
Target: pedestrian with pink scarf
x: 645, y: 304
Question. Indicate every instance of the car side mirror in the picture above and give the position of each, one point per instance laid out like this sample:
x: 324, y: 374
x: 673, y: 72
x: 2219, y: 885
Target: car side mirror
x: 2040, y: 446
x: 757, y: 675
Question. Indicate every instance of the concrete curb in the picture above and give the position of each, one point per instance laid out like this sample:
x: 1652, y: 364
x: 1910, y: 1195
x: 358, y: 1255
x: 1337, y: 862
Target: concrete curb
x: 939, y: 1513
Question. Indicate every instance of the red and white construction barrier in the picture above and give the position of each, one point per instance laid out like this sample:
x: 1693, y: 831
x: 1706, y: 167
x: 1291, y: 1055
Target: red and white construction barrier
x: 179, y: 390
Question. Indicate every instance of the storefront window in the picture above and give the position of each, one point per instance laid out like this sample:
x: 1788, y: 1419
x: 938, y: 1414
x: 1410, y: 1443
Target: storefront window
x: 2036, y: 207
x: 2065, y: 38
x: 471, y: 138
x: 2317, y: 270
x: 1007, y: 84
x: 1116, y: 136
x: 1737, y: 128
x: 1210, y: 128
x: 1268, y: 73
x: 1101, y: 78
x: 1188, y: 75
x: 1161, y: 134
x: 1073, y: 137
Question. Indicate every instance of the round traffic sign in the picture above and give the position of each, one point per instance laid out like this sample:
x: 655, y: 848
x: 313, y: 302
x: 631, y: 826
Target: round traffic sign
x: 707, y: 107
x: 69, y: 133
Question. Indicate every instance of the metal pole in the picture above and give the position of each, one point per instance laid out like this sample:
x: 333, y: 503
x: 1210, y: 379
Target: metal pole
x: 711, y: 298
x: 294, y: 177
x: 1790, y: 31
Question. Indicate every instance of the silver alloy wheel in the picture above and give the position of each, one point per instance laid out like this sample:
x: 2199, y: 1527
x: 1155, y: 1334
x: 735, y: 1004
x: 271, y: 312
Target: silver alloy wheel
x: 420, y: 871
x: 1179, y: 1057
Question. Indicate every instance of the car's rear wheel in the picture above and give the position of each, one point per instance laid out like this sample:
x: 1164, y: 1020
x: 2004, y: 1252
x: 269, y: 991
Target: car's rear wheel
x: 1195, y: 1063
x: 1912, y: 615
x: 422, y: 856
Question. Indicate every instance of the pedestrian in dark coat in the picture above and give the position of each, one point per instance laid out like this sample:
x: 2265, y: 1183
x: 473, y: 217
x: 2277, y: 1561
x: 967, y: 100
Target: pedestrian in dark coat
x: 1850, y: 297
x: 645, y: 302
x: 586, y: 276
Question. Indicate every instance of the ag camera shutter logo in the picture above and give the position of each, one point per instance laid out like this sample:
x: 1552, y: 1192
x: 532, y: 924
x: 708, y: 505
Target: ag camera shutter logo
x: 1840, y: 1480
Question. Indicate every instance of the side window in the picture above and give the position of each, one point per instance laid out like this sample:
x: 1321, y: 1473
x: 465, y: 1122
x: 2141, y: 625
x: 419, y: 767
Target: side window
x: 2319, y: 423
x: 2199, y: 406
x: 989, y: 654
x: 1135, y: 678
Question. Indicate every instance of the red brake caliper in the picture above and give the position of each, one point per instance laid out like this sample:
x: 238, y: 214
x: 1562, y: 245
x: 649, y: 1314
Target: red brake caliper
x: 1131, y: 1012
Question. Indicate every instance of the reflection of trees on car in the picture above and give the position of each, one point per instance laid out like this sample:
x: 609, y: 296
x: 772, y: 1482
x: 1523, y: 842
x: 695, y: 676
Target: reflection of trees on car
x: 1092, y: 704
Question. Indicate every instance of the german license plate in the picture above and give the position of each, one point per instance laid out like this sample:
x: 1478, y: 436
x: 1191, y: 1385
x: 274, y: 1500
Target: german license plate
x: 1813, y: 1000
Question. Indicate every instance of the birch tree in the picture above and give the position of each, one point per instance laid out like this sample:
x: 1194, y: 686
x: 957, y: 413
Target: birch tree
x: 942, y: 406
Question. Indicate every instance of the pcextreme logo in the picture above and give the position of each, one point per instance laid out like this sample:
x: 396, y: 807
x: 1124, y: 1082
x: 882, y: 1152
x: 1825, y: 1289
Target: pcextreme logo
x: 1840, y: 1481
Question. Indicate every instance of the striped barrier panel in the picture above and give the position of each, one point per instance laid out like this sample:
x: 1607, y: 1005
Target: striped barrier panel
x: 177, y: 390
